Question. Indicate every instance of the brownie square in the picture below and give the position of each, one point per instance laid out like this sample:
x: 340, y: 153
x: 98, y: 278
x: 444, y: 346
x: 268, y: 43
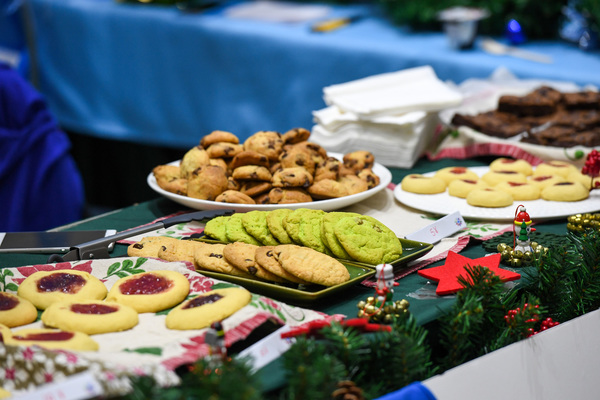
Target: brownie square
x: 579, y: 119
x: 542, y: 101
x: 586, y: 100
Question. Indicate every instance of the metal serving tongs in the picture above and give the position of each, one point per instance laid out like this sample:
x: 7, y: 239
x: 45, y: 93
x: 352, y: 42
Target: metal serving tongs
x: 98, y: 249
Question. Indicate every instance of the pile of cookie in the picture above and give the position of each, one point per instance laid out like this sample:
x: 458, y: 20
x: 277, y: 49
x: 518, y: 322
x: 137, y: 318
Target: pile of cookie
x: 506, y: 181
x: 282, y: 264
x: 268, y: 168
x: 344, y: 235
x: 544, y: 116
x: 76, y: 305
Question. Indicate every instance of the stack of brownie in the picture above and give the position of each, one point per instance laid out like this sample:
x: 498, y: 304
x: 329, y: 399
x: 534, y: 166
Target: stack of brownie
x: 545, y: 116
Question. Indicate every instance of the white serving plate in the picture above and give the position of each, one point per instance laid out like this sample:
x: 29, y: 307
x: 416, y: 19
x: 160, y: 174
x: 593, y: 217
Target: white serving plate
x: 384, y: 174
x: 444, y: 204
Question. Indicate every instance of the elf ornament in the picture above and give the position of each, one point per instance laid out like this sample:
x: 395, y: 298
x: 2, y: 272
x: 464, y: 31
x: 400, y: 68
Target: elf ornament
x: 382, y: 308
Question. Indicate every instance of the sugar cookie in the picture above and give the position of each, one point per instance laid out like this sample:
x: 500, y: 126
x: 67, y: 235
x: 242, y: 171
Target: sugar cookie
x: 565, y: 191
x: 16, y: 310
x: 449, y: 174
x: 561, y: 168
x: 52, y: 339
x: 585, y: 180
x: 462, y: 187
x: 90, y: 316
x: 206, y: 308
x: 489, y: 197
x: 151, y: 291
x: 520, y: 191
x: 543, y: 181
x: 493, y: 178
x: 509, y: 164
x: 43, y: 288
x: 421, y: 184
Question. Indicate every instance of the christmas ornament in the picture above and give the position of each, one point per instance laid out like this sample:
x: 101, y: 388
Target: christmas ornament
x: 347, y: 390
x: 583, y: 222
x: 514, y: 32
x: 382, y: 308
x: 313, y: 328
x: 448, y: 275
x: 592, y: 168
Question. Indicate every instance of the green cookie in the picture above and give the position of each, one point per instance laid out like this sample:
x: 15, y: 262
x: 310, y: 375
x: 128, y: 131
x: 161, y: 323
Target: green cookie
x: 275, y: 225
x: 328, y: 234
x: 367, y: 240
x: 310, y: 230
x: 291, y: 223
x: 215, y: 228
x: 237, y: 233
x: 255, y: 223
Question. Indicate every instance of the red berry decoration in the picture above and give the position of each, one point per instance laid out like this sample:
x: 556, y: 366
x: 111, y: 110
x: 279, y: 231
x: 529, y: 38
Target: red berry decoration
x: 592, y: 167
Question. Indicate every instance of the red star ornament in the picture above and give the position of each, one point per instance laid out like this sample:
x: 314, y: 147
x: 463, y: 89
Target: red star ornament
x: 447, y: 275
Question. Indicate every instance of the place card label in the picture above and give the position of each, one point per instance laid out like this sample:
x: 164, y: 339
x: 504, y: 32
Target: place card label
x: 443, y: 227
x: 268, y: 348
x: 76, y: 387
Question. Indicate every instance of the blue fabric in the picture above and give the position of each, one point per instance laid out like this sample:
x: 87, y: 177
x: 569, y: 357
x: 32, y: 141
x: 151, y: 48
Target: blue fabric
x: 414, y: 391
x: 155, y: 75
x: 40, y: 186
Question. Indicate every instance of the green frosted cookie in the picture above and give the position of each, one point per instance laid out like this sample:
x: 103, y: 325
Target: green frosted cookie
x: 255, y: 223
x: 328, y: 234
x: 367, y: 240
x: 275, y: 225
x: 237, y: 233
x: 291, y: 224
x: 310, y: 230
x: 215, y: 228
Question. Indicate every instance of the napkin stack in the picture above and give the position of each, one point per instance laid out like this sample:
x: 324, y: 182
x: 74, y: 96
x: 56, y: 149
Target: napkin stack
x: 392, y: 115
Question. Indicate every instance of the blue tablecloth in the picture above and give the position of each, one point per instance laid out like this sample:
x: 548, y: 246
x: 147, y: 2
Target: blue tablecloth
x: 156, y: 75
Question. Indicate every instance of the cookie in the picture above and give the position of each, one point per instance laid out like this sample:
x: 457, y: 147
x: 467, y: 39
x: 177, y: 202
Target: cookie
x: 328, y: 169
x: 311, y: 265
x: 565, y: 191
x: 359, y: 160
x: 210, y: 257
x: 291, y: 224
x: 255, y: 188
x: 560, y: 168
x: 309, y: 231
x: 367, y: 240
x: 489, y: 197
x: 53, y: 339
x: 252, y: 173
x: 328, y: 189
x: 268, y: 143
x: 275, y: 224
x: 509, y: 164
x: 218, y: 137
x: 370, y: 177
x: 16, y: 310
x: 232, y: 184
x: 193, y: 159
x: 493, y: 178
x: 234, y: 197
x: 462, y: 187
x: 255, y: 223
x: 178, y: 250
x: 168, y: 178
x: 353, y: 184
x: 150, y: 292
x: 207, y: 182
x: 289, y: 196
x: 449, y: 174
x: 420, y: 184
x: 201, y: 311
x: 248, y: 157
x: 296, y: 157
x: 90, y: 316
x: 236, y: 232
x: 219, y: 162
x: 292, y: 177
x: 295, y: 135
x: 224, y: 150
x: 585, y: 180
x: 520, y: 191
x: 242, y: 256
x: 542, y: 181
x: 215, y: 228
x: 328, y: 234
x: 265, y: 257
x: 148, y: 246
x: 43, y: 288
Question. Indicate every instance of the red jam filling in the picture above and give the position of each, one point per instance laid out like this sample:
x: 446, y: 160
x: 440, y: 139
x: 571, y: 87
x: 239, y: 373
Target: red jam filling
x: 458, y: 170
x: 469, y: 181
x: 146, y: 284
x: 93, y: 309
x: 59, y: 336
x: 507, y: 172
x: 563, y: 183
x: 61, y: 282
x: 515, y: 184
x: 8, y: 302
x: 202, y: 300
x: 508, y: 161
x: 541, y: 178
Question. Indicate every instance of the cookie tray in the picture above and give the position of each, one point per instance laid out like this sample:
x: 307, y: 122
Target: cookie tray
x: 302, y: 294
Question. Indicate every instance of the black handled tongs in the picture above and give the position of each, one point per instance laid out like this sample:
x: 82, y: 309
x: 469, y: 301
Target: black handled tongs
x: 97, y: 249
